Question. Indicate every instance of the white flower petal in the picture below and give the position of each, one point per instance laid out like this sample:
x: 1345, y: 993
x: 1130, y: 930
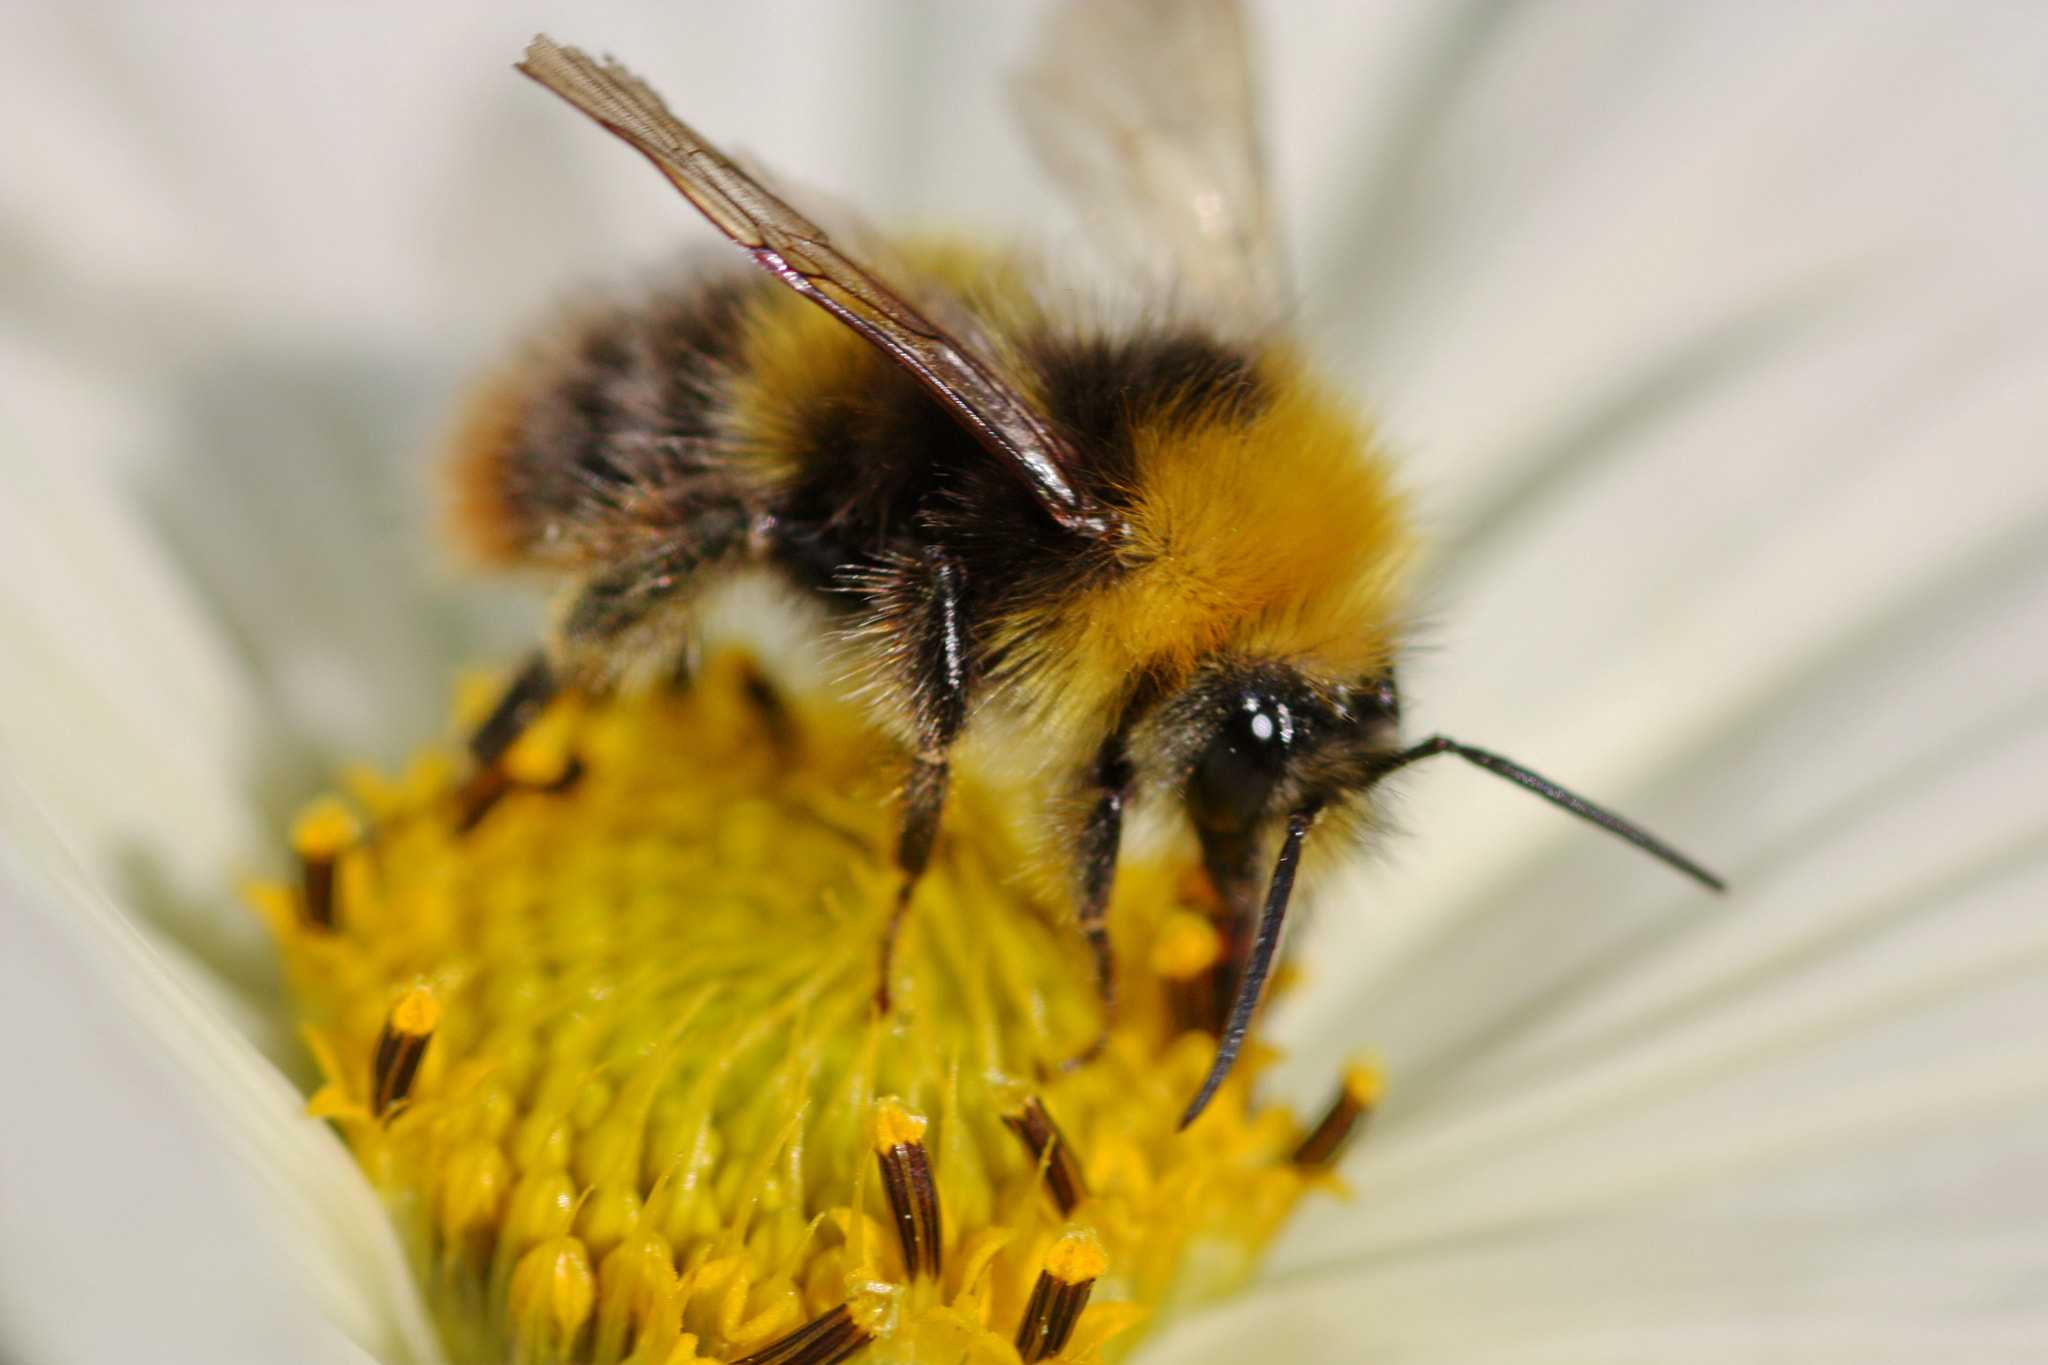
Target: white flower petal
x: 119, y: 701
x: 1921, y: 1249
x: 117, y: 1122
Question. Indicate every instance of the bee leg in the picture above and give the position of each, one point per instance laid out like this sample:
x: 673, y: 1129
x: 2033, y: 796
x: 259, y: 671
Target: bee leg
x: 1101, y: 836
x: 604, y: 613
x: 772, y: 710
x: 528, y: 694
x: 937, y: 650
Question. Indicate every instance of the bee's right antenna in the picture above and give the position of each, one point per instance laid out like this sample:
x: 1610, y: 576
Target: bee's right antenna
x: 1251, y: 984
x: 1558, y: 796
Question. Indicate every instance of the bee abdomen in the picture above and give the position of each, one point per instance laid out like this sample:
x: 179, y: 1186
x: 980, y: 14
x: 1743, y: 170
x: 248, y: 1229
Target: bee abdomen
x: 604, y: 431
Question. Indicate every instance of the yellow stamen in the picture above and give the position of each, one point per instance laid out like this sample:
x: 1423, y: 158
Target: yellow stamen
x: 326, y: 828
x: 1187, y: 945
x: 661, y: 1119
x: 553, y: 1291
x: 400, y: 1049
x: 913, y: 1194
x: 1063, y: 1178
x: 1072, y: 1267
x: 1326, y: 1142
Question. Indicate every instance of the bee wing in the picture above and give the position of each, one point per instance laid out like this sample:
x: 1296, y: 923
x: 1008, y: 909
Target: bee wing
x: 1144, y: 110
x: 797, y: 252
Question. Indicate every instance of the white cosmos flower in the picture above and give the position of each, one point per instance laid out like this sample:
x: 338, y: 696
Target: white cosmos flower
x: 1716, y: 338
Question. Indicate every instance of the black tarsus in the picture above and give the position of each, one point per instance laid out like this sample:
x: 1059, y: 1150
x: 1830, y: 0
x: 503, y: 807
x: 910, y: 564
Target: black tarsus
x: 1252, y: 984
x: 1558, y: 796
x: 536, y: 684
x: 528, y: 694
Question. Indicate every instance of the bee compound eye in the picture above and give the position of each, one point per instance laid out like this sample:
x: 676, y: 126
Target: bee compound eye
x: 1236, y: 773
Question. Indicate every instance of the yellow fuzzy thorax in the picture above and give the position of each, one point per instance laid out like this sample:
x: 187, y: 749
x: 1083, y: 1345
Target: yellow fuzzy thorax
x: 612, y: 1056
x: 1274, y: 536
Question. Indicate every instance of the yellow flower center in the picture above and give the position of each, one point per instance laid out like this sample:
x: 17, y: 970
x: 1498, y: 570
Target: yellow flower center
x: 602, y: 1028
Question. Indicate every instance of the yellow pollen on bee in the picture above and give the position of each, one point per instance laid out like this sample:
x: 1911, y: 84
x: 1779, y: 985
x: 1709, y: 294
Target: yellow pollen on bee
x: 545, y: 754
x: 609, y: 1050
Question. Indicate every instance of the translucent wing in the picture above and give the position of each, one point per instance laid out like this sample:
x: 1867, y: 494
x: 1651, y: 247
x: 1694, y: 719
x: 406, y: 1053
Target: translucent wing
x: 799, y: 253
x: 1144, y: 110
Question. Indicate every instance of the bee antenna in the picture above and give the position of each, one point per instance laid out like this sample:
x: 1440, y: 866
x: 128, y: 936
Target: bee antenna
x: 1266, y: 941
x: 1252, y: 984
x: 1558, y: 796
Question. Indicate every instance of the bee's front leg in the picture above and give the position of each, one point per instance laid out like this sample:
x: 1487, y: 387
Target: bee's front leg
x: 1101, y: 836
x: 936, y: 652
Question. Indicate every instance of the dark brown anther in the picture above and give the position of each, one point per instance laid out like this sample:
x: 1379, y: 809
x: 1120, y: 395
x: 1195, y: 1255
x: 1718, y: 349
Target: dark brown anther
x: 1072, y: 1267
x: 323, y: 834
x: 407, y: 1031
x: 825, y: 1340
x: 1340, y: 1123
x: 318, y: 891
x: 1053, y: 1153
x: 907, y: 1178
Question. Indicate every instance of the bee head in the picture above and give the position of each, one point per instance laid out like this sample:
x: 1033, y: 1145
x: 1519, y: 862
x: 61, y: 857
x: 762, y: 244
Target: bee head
x: 1245, y: 744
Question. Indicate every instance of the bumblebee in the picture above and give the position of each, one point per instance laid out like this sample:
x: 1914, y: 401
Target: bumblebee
x: 1159, y: 564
